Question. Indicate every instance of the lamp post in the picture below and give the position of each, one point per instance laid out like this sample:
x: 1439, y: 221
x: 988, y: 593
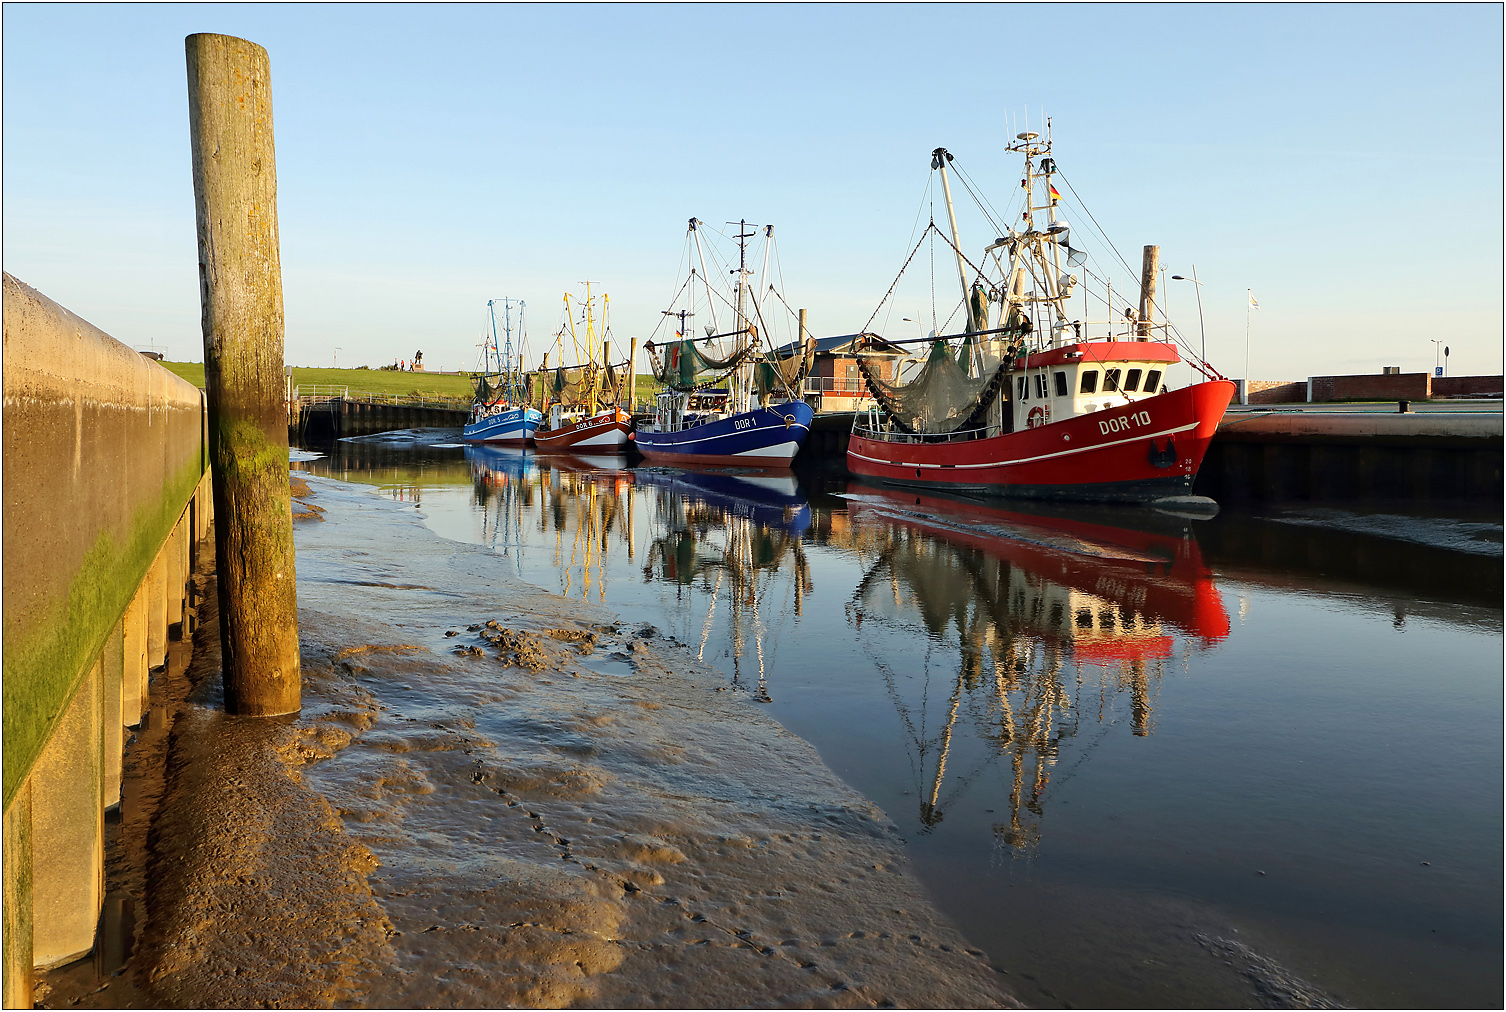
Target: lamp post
x: 1202, y: 330
x: 337, y: 357
x: 1437, y: 344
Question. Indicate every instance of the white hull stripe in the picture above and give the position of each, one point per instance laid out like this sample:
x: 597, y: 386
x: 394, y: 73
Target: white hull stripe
x: 1025, y: 460
x: 674, y: 447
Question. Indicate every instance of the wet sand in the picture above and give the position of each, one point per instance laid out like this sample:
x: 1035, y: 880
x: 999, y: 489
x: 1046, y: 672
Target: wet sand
x: 497, y: 797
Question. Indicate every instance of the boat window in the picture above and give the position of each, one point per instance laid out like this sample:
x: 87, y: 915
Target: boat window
x: 1040, y: 384
x: 1024, y: 389
x: 1061, y: 384
x: 1152, y: 380
x: 1089, y: 384
x: 1110, y: 380
x: 1132, y: 381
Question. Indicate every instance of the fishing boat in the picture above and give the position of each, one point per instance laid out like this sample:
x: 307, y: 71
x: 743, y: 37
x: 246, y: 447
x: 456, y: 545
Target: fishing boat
x: 1027, y: 400
x: 500, y: 412
x: 695, y: 421
x: 583, y: 402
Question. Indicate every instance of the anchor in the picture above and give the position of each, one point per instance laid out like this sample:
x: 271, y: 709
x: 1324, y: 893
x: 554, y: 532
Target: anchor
x: 1163, y: 458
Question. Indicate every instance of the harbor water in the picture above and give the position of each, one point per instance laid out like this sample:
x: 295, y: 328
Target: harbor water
x: 1141, y: 759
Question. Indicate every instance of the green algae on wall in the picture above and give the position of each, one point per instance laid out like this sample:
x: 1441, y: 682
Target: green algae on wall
x: 45, y: 660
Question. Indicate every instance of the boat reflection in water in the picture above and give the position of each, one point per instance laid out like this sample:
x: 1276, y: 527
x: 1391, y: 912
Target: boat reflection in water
x: 1044, y: 619
x: 730, y: 534
x: 1056, y: 615
x: 579, y: 500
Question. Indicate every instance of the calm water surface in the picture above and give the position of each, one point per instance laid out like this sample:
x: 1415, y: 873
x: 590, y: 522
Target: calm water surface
x: 1116, y: 741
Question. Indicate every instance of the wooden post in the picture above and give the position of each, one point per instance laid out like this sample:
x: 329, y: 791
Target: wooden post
x: 1148, y: 267
x: 240, y: 288
x: 632, y: 389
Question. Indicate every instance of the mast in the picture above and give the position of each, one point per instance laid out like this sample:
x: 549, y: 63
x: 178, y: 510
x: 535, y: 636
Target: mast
x: 939, y: 159
x: 740, y: 383
x: 705, y: 278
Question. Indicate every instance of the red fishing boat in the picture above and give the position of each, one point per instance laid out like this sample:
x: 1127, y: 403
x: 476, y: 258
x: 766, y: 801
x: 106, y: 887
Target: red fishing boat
x: 583, y: 413
x: 604, y: 432
x: 1034, y: 406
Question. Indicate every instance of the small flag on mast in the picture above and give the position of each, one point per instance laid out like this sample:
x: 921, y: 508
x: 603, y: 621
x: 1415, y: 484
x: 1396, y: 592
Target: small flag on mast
x: 1253, y: 303
x: 1054, y: 195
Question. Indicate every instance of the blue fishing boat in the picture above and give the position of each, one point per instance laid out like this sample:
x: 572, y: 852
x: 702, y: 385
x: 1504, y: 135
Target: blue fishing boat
x: 695, y: 424
x: 500, y: 413
x: 761, y: 437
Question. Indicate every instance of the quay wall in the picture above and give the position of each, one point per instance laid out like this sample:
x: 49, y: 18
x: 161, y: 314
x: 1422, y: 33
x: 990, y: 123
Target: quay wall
x: 1304, y: 456
x: 106, y: 502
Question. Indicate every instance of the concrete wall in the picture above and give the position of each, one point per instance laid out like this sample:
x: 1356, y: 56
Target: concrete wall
x: 105, y: 493
x: 1412, y: 386
x: 1465, y: 386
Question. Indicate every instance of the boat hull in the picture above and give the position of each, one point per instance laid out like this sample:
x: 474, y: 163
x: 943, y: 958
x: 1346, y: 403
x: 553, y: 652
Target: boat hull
x: 604, y: 433
x: 763, y: 437
x: 1139, y: 452
x: 512, y: 427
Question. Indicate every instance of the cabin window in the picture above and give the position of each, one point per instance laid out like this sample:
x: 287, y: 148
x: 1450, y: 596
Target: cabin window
x: 1110, y: 380
x: 1152, y: 381
x: 1024, y: 388
x: 1061, y: 384
x: 1089, y: 384
x: 1040, y: 385
x: 1132, y: 381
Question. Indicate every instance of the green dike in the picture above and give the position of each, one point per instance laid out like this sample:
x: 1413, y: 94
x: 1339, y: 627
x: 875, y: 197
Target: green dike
x: 44, y: 663
x: 360, y: 381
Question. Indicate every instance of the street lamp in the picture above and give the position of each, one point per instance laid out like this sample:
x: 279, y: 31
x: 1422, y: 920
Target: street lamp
x: 1436, y: 345
x: 1202, y: 330
x: 337, y: 357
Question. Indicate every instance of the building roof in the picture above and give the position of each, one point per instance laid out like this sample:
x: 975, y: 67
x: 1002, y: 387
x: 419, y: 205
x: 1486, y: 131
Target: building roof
x: 842, y: 345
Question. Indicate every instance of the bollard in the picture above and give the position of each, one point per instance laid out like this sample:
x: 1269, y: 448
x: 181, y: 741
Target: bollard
x: 240, y: 289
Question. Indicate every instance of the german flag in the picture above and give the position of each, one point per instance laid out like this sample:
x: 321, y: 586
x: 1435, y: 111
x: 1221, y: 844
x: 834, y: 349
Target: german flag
x: 1054, y: 195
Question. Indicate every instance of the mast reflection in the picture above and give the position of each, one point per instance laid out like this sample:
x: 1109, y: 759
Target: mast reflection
x: 716, y: 530
x: 1031, y: 601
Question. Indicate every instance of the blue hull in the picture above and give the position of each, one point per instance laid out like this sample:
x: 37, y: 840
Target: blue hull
x: 763, y: 437
x: 512, y: 427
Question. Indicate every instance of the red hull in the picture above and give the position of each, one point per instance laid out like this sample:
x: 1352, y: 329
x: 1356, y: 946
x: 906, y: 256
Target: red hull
x: 602, y: 434
x: 1158, y: 574
x: 1136, y: 453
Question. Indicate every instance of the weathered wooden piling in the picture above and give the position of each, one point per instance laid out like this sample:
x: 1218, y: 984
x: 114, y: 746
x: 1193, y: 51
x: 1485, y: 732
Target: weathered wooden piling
x: 1150, y: 262
x: 240, y: 288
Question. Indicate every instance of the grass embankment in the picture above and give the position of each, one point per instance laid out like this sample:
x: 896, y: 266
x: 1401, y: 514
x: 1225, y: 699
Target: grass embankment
x: 366, y: 381
x: 379, y: 381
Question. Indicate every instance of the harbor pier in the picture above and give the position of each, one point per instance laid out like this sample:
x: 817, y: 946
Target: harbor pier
x: 107, y: 502
x: 1299, y: 454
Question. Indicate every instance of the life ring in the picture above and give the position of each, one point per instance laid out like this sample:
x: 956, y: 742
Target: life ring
x: 1037, y: 417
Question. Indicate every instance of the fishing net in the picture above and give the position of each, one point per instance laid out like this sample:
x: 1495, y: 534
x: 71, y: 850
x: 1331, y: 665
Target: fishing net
x: 776, y: 375
x: 574, y: 385
x: 496, y: 388
x: 943, y: 396
x: 683, y: 361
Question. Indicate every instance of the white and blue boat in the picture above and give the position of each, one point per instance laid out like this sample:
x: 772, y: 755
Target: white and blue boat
x: 694, y: 424
x: 501, y: 414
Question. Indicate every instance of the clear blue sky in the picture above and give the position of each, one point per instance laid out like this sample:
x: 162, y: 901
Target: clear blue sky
x: 1344, y: 162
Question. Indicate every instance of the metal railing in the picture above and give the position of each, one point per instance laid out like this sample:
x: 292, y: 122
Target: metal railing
x: 850, y: 385
x: 319, y: 393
